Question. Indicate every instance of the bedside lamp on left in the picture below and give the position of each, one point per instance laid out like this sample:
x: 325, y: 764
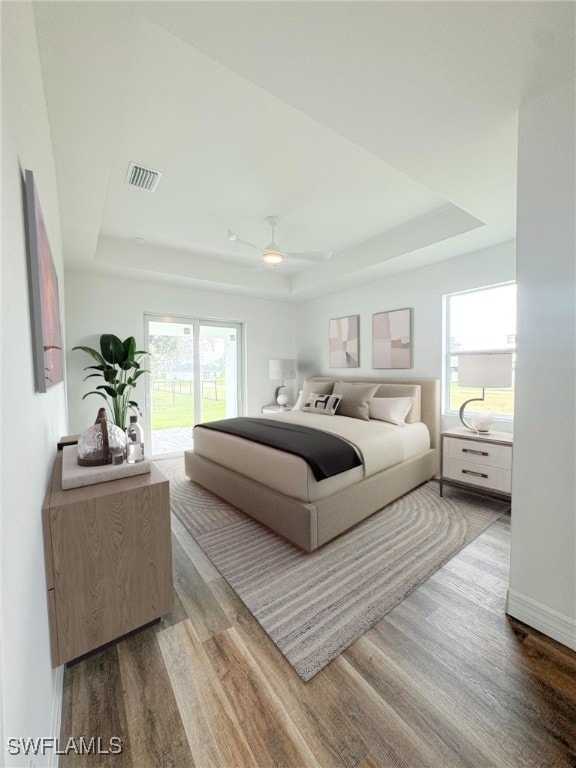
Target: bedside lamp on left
x: 279, y: 370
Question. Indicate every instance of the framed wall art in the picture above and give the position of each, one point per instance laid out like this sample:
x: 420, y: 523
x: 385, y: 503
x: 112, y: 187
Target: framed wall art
x: 44, y: 302
x: 392, y: 339
x: 344, y: 342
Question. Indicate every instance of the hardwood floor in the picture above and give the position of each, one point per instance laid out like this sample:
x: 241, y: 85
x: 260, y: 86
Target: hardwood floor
x: 444, y: 680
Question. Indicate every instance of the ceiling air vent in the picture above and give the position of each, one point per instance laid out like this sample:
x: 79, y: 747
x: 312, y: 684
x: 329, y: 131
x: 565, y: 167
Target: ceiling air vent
x: 144, y: 178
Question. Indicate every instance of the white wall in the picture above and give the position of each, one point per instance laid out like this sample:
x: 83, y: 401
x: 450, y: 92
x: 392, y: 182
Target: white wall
x: 31, y: 423
x: 543, y: 564
x: 422, y: 289
x: 96, y: 305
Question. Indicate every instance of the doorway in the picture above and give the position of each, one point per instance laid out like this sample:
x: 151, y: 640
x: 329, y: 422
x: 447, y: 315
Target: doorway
x: 195, y: 376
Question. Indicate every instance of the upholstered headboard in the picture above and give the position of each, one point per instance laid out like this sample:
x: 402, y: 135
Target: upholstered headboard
x: 425, y: 391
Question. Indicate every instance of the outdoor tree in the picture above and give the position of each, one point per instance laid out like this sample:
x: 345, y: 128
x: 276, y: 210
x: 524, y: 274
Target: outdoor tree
x: 170, y: 351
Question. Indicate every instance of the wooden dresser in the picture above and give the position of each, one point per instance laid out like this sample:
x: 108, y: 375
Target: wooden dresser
x: 108, y: 559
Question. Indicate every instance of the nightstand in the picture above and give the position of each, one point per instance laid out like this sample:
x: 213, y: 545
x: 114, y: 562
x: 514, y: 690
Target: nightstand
x: 479, y: 461
x: 277, y: 408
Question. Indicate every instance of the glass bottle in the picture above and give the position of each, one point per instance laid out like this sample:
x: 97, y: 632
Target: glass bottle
x: 135, y: 444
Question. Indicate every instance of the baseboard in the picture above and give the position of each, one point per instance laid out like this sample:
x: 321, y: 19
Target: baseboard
x: 542, y: 618
x: 58, y: 680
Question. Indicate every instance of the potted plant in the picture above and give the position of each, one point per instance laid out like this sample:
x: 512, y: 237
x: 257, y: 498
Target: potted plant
x: 118, y: 364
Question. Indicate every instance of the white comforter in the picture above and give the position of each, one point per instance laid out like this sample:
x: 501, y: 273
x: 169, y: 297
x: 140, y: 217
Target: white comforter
x: 379, y: 444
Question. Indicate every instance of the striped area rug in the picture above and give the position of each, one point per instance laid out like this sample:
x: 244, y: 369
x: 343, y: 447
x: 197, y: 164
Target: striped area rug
x: 313, y: 606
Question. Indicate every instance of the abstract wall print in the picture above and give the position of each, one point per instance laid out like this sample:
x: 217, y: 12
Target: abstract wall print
x: 44, y: 303
x: 392, y: 339
x: 344, y: 342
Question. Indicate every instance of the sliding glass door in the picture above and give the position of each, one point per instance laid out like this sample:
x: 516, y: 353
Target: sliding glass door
x: 194, y: 377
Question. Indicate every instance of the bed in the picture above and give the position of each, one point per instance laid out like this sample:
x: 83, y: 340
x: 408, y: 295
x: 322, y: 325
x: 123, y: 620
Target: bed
x: 279, y: 489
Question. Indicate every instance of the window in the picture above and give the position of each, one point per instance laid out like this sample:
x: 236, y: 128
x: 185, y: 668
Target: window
x: 480, y: 321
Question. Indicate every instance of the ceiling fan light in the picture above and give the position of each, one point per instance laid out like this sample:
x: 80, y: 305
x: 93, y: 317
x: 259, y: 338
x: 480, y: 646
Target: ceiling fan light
x: 272, y: 257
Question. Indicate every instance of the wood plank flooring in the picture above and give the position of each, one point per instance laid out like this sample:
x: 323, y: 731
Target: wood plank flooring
x: 445, y: 680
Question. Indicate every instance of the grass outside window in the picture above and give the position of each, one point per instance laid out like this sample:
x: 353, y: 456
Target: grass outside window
x: 173, y: 403
x: 497, y: 401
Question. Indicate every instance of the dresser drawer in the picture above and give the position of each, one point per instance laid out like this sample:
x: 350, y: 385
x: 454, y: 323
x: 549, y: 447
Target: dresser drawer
x: 478, y: 452
x: 472, y: 473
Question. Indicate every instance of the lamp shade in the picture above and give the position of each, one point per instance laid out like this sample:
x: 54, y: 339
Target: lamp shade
x: 282, y: 369
x: 485, y: 369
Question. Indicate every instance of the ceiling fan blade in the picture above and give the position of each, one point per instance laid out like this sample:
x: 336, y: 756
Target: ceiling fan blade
x: 246, y: 242
x: 310, y: 255
x: 272, y: 255
x: 233, y: 237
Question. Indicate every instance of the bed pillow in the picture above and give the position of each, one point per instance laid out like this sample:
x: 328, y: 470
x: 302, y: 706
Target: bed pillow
x: 324, y: 404
x: 309, y: 387
x: 391, y: 409
x: 404, y: 390
x: 355, y: 399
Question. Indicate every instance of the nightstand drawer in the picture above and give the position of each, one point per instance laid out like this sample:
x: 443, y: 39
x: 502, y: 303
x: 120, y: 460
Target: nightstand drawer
x: 478, y: 452
x: 472, y: 473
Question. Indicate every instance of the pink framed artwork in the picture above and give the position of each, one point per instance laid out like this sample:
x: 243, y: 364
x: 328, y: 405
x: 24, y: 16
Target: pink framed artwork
x: 44, y: 302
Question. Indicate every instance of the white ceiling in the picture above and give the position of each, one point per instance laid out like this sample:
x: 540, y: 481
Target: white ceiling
x: 382, y: 131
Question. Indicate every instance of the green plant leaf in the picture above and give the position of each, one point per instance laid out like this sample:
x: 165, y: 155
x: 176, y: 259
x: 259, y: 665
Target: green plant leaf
x: 93, y: 353
x: 112, y: 349
x: 132, y: 380
x: 109, y: 390
x: 126, y: 365
x: 129, y: 345
x: 95, y: 367
x: 134, y: 364
x: 121, y: 388
x: 95, y: 393
x: 90, y: 375
x: 110, y: 375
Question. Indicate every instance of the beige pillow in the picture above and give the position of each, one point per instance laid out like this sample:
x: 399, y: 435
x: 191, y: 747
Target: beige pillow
x: 355, y: 399
x: 312, y: 387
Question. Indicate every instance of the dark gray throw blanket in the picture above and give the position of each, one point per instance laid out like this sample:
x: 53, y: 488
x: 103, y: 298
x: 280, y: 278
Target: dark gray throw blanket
x: 326, y: 455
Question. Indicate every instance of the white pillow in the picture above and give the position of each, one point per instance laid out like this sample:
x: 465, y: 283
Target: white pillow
x: 324, y: 404
x: 391, y: 409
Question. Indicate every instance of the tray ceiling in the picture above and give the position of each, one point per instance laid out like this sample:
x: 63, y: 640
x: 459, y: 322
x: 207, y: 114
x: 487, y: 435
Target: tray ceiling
x: 384, y: 132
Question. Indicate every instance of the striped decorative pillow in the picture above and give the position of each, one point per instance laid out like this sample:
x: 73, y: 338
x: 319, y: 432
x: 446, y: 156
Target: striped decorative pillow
x: 325, y: 404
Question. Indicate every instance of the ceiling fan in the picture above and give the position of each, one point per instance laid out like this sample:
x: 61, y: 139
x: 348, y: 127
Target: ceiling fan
x: 273, y: 255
